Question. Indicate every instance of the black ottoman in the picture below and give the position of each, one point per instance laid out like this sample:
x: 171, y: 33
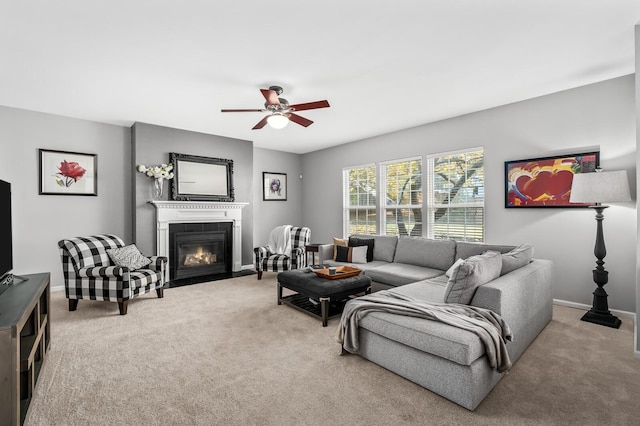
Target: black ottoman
x: 318, y: 296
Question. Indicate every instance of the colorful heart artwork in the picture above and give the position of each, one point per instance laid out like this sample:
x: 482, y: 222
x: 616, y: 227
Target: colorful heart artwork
x: 545, y: 182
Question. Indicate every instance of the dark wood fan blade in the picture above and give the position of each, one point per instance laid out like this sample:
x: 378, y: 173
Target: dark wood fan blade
x: 300, y: 120
x: 310, y: 105
x: 242, y: 110
x: 271, y: 96
x: 260, y: 124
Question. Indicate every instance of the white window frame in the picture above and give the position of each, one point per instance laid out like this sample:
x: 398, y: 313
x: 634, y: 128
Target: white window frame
x: 347, y: 208
x: 429, y: 205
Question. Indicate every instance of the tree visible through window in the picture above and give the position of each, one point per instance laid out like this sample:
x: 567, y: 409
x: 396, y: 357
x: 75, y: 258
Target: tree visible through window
x: 403, y: 201
x: 456, y: 196
x: 453, y: 189
x: 360, y: 200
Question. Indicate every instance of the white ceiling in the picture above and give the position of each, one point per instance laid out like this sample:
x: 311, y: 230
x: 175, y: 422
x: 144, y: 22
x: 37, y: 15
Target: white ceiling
x: 382, y: 65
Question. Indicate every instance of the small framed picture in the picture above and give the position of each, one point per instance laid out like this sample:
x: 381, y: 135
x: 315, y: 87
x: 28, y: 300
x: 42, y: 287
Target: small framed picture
x: 274, y: 186
x: 68, y: 173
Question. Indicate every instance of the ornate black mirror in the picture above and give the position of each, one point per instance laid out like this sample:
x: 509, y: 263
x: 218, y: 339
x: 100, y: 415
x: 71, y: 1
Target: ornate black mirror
x: 201, y: 178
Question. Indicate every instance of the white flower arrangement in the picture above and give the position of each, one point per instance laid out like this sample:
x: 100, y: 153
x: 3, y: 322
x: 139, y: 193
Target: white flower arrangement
x: 162, y: 171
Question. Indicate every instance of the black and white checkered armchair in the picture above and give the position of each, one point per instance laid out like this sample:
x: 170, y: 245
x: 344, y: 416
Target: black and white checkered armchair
x: 89, y: 272
x: 265, y: 260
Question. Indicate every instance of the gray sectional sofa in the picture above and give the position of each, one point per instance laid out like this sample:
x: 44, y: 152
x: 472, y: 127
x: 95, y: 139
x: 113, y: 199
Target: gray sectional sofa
x: 442, y: 358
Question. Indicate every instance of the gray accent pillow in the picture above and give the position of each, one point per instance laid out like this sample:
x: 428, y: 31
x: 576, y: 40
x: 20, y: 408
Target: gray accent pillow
x: 470, y: 274
x: 454, y: 266
x: 465, y: 249
x: 129, y: 257
x: 516, y: 258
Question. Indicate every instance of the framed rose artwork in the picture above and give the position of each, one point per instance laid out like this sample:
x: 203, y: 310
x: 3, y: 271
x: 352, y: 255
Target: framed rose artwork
x: 546, y: 181
x: 67, y: 173
x: 274, y: 186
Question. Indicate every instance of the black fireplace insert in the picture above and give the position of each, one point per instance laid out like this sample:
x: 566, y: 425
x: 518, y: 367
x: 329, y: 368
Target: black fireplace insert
x: 200, y: 249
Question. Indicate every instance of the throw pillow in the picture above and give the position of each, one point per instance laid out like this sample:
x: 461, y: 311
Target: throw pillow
x: 470, y: 274
x: 128, y: 256
x: 359, y: 254
x: 359, y: 242
x: 450, y: 270
x: 338, y: 242
x: 516, y: 258
x: 352, y: 254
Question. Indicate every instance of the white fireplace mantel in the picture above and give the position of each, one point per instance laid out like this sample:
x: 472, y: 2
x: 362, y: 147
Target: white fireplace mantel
x: 168, y: 212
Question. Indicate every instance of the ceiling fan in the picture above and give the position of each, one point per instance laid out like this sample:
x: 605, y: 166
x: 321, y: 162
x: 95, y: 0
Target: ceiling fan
x: 280, y: 110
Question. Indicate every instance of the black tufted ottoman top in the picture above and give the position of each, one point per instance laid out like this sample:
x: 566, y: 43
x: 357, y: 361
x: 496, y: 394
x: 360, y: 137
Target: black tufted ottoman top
x: 310, y: 284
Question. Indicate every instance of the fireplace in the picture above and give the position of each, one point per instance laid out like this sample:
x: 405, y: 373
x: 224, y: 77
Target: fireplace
x: 200, y: 249
x: 170, y: 213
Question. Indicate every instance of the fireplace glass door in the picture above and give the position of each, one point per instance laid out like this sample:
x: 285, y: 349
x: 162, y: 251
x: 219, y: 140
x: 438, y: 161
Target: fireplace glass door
x: 199, y: 253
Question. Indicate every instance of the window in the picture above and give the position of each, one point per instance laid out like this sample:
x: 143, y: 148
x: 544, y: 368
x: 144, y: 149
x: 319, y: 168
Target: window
x: 360, y: 207
x: 455, y: 205
x: 402, y: 205
x: 440, y: 197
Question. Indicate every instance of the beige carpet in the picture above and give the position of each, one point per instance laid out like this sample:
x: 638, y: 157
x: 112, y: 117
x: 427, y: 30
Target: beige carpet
x: 223, y: 353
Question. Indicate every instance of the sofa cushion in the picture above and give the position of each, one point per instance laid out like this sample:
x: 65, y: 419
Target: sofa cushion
x: 430, y: 290
x: 400, y: 274
x: 436, y: 254
x: 470, y: 274
x: 363, y: 266
x: 448, y: 342
x: 384, y: 246
x: 516, y: 258
x: 465, y: 249
x: 367, y: 242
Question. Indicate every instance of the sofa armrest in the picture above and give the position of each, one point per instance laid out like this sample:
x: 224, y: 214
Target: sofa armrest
x: 325, y: 252
x: 523, y: 298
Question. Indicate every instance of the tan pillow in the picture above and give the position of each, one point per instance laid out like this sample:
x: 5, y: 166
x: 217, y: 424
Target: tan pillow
x: 343, y: 242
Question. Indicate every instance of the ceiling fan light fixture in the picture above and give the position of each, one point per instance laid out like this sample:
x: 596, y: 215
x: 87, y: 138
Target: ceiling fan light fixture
x: 278, y: 121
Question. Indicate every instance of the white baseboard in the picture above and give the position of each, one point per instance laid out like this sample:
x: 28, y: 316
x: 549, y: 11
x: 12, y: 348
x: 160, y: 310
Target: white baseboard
x: 626, y: 314
x: 57, y: 288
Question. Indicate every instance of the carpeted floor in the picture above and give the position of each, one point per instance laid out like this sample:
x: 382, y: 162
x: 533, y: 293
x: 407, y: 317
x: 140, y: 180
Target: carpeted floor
x: 224, y: 353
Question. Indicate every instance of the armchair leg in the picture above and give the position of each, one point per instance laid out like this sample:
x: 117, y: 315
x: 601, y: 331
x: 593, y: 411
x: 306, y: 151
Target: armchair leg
x: 123, y: 307
x: 259, y: 275
x: 73, y: 304
x: 160, y: 292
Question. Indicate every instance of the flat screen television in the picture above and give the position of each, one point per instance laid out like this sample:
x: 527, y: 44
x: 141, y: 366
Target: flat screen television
x: 6, y: 240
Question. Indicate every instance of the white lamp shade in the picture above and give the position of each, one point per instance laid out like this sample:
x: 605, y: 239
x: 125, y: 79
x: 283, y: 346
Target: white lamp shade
x: 277, y: 121
x: 600, y: 187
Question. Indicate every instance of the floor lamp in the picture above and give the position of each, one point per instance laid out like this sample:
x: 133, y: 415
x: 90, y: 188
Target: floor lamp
x: 600, y: 187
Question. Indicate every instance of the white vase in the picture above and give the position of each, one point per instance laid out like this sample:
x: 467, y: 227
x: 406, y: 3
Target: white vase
x: 158, y: 188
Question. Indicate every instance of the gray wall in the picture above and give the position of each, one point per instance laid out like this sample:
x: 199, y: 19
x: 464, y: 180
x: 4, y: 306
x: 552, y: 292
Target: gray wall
x: 152, y: 144
x: 595, y: 116
x: 269, y: 214
x: 637, y: 94
x: 40, y: 221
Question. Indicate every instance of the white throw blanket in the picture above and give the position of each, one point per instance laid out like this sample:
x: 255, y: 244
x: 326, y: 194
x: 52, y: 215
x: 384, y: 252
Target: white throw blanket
x: 486, y: 324
x: 280, y: 240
